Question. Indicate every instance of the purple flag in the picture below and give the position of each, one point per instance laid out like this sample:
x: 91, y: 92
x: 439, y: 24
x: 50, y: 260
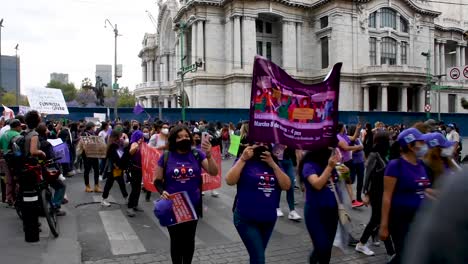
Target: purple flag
x: 286, y: 111
x: 138, y: 109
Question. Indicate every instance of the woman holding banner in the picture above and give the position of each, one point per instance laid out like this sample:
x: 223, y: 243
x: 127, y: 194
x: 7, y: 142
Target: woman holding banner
x: 90, y: 162
x: 136, y: 172
x: 259, y: 181
x: 179, y: 170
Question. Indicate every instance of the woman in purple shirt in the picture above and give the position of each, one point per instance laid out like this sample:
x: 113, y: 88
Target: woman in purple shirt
x: 182, y: 172
x: 317, y: 171
x: 136, y: 172
x: 405, y: 185
x: 259, y: 182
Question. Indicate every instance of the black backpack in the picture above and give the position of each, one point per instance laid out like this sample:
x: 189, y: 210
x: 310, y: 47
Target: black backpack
x: 16, y: 156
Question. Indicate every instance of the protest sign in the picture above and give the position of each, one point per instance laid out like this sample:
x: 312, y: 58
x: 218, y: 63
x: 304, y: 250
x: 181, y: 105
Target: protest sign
x: 7, y: 113
x: 234, y: 145
x: 61, y: 151
x: 94, y: 146
x: 183, y: 208
x: 47, y: 101
x: 286, y: 111
x: 100, y: 117
x: 22, y: 110
x: 213, y: 182
x: 149, y: 162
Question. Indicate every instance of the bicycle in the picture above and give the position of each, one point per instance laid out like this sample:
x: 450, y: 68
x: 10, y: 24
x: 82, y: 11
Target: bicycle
x: 45, y: 171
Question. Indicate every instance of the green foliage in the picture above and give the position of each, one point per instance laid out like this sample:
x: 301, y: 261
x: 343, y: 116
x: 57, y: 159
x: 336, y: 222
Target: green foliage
x: 68, y: 89
x: 125, y: 98
x: 9, y: 99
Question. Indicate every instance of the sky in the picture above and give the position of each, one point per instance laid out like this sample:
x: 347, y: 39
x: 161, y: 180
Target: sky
x: 68, y: 36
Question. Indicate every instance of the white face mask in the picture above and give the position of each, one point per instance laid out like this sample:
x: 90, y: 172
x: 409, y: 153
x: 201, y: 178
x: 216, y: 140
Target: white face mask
x: 165, y: 131
x: 447, y: 152
x: 146, y: 135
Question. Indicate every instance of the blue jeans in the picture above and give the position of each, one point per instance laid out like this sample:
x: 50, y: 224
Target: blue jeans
x: 255, y: 236
x: 59, y: 188
x: 288, y: 168
x: 321, y: 222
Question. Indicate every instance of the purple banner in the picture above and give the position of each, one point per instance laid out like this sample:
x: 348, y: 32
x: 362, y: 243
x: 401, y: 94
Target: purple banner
x: 61, y: 151
x: 286, y: 111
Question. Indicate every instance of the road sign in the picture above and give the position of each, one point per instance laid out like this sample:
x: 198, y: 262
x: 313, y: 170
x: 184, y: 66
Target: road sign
x: 115, y: 86
x: 465, y: 72
x: 454, y: 73
x: 427, y: 108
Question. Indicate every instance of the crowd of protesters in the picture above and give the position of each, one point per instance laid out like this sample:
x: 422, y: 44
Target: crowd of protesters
x: 395, y: 169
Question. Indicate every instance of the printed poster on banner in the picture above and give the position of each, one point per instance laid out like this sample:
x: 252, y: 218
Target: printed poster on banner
x: 149, y: 161
x: 213, y: 182
x: 286, y: 111
x: 47, y: 101
x: 182, y: 208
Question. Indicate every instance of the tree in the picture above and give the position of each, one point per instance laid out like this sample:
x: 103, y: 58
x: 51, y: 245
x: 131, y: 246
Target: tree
x: 9, y: 99
x: 125, y: 98
x: 86, y: 97
x: 68, y: 89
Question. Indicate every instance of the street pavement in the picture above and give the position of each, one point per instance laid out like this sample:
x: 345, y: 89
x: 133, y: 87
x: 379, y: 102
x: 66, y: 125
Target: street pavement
x: 91, y: 234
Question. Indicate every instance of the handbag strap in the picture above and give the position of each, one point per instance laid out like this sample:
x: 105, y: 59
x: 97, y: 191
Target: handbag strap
x: 340, y: 204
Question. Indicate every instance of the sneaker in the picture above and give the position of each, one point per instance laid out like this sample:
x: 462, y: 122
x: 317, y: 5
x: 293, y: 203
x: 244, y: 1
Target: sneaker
x: 88, y: 189
x: 203, y: 193
x: 130, y: 212
x: 390, y: 258
x: 375, y: 242
x: 105, y: 203
x: 78, y: 171
x: 138, y: 209
x: 59, y: 212
x: 70, y: 173
x: 364, y: 250
x: 279, y: 213
x: 214, y: 194
x: 356, y: 204
x: 293, y: 215
x: 97, y: 189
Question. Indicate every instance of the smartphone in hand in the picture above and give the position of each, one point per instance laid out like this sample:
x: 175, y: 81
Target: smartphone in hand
x: 206, y: 137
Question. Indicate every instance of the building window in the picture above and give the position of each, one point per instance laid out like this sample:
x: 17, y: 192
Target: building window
x: 260, y: 48
x: 324, y: 22
x: 388, y: 53
x: 168, y: 69
x: 268, y: 28
x: 268, y: 50
x: 387, y: 18
x: 403, y: 25
x: 373, y: 51
x: 452, y: 103
x: 404, y: 53
x: 324, y: 49
x: 169, y: 104
x: 372, y: 20
x: 259, y: 26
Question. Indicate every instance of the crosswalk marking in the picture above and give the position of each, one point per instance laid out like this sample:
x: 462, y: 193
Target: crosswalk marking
x: 122, y: 237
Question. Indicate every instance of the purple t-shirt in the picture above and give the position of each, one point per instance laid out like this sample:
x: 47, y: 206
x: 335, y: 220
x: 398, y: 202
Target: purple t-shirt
x: 323, y: 197
x: 345, y: 155
x: 258, y: 192
x: 183, y: 173
x: 412, y: 180
x: 358, y: 156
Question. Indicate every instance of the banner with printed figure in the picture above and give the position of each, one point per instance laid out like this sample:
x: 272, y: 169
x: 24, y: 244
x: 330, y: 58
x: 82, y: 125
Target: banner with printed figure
x: 47, y: 101
x: 286, y: 111
x: 149, y: 162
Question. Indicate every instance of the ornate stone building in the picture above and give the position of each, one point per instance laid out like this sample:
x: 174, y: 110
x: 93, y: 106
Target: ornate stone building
x: 390, y: 50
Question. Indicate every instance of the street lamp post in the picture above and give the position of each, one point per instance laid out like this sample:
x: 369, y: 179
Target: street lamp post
x: 17, y: 76
x: 115, y: 84
x: 439, y: 77
x: 160, y: 89
x: 429, y: 79
x: 1, y: 25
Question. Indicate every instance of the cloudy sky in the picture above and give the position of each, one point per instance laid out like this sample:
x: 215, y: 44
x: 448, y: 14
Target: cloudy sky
x: 68, y: 36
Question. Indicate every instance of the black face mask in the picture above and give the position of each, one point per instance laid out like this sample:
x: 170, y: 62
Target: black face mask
x: 184, y: 145
x: 135, y: 127
x: 198, y: 142
x: 258, y: 151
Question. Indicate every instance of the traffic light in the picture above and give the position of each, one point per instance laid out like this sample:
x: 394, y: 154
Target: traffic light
x: 180, y: 100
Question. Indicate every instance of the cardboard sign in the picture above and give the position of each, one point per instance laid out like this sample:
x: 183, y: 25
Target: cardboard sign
x: 94, y: 147
x: 47, y: 101
x: 235, y: 144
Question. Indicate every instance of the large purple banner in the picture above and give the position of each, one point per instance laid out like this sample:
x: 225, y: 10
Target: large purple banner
x: 286, y: 111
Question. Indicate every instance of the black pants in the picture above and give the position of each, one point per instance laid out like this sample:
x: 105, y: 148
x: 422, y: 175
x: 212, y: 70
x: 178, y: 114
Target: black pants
x: 3, y: 187
x: 372, y: 228
x: 182, y: 242
x: 88, y: 164
x: 357, y: 172
x: 110, y: 181
x: 136, y: 187
x: 399, y: 227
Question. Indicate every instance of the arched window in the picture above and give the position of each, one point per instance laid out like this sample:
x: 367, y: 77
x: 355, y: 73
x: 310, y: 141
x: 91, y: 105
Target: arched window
x: 388, y: 18
x: 403, y: 25
x: 372, y: 20
x: 388, y: 51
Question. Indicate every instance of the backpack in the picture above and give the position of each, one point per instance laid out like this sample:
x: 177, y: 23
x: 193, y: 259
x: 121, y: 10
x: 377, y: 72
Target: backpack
x: 16, y: 156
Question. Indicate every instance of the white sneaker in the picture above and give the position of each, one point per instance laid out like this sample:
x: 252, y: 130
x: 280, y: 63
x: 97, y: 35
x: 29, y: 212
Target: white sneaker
x: 279, y: 213
x: 364, y: 249
x: 105, y: 203
x: 293, y: 215
x: 214, y: 194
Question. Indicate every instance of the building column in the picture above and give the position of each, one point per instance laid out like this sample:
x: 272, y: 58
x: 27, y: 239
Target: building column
x: 201, y: 41
x: 143, y: 72
x: 289, y: 46
x: 151, y: 77
x: 194, y: 43
x: 384, y: 87
x: 173, y: 102
x: 436, y: 58
x: 365, y: 90
x: 148, y: 72
x: 378, y: 42
x: 237, y: 43
x: 458, y: 56
x: 404, y: 99
x: 398, y: 51
x: 421, y: 98
x: 249, y: 42
x: 442, y: 58
x: 166, y: 104
x: 462, y: 55
x: 299, y: 54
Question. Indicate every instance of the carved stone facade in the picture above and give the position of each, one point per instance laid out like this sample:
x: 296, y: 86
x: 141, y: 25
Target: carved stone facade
x: 380, y: 43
